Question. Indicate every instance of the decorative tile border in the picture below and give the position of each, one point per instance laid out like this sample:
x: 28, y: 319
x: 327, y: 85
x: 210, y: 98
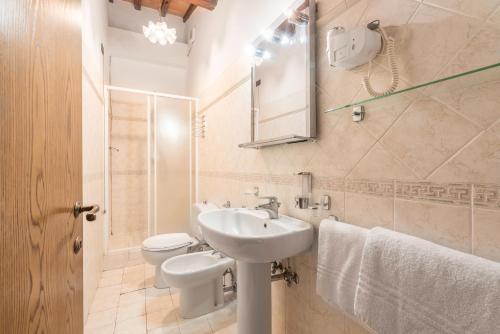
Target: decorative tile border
x: 129, y: 119
x: 329, y: 183
x: 128, y: 172
x: 448, y: 193
x: 370, y: 187
x: 487, y: 196
x: 286, y: 180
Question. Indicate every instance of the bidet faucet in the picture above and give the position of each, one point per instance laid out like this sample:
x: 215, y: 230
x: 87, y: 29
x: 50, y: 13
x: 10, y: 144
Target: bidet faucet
x: 270, y: 207
x: 216, y: 252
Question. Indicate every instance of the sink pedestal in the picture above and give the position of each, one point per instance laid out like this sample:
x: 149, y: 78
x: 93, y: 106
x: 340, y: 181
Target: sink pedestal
x: 254, y: 298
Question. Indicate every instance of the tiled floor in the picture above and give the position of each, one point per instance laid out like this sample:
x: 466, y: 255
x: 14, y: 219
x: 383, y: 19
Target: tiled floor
x: 127, y: 302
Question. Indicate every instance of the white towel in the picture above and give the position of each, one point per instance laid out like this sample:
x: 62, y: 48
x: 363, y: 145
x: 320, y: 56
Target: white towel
x: 409, y: 285
x: 340, y: 248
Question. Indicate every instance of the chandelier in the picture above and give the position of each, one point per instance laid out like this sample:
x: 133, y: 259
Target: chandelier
x: 159, y: 33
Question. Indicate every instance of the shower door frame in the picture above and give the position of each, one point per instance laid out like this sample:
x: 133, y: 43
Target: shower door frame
x: 152, y: 155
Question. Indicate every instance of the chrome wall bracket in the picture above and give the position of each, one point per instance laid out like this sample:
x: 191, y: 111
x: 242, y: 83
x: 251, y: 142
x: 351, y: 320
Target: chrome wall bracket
x: 358, y: 113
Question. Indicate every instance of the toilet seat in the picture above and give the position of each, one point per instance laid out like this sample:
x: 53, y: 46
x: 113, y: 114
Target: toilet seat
x: 166, y: 242
x: 158, y: 248
x: 161, y: 247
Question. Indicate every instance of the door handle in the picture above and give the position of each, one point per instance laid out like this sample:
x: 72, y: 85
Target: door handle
x: 90, y: 209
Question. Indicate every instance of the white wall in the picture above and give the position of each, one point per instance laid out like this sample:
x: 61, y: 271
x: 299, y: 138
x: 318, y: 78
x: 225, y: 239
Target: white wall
x: 137, y: 63
x: 147, y: 76
x: 221, y: 36
x: 133, y: 45
x: 94, y: 24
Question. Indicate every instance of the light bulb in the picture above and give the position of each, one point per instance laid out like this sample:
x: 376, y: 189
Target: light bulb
x: 159, y: 32
x: 268, y: 35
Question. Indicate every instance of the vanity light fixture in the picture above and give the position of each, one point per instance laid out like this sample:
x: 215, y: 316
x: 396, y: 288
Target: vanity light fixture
x: 159, y: 33
x: 260, y: 55
x: 296, y: 17
x: 285, y: 40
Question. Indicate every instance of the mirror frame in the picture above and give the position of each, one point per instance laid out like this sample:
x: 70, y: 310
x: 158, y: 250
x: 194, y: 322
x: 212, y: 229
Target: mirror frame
x: 311, y: 112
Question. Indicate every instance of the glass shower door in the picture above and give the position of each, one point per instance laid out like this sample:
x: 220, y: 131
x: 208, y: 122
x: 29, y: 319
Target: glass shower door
x: 128, y: 169
x: 172, y: 168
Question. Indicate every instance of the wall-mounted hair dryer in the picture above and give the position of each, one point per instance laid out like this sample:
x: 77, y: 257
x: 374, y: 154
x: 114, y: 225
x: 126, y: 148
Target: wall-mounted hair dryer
x: 349, y: 49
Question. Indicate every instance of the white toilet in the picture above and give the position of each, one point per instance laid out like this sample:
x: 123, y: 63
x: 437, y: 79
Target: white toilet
x: 198, y: 276
x: 158, y: 248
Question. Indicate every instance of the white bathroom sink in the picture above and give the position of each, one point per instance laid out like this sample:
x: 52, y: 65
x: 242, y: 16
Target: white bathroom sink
x: 250, y: 236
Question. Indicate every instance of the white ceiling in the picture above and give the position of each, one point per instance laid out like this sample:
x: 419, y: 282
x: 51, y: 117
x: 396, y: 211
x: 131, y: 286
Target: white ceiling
x: 122, y: 15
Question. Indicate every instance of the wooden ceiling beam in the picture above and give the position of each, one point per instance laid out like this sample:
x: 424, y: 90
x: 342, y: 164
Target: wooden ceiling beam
x: 188, y: 13
x: 137, y: 4
x: 164, y: 7
x: 207, y: 4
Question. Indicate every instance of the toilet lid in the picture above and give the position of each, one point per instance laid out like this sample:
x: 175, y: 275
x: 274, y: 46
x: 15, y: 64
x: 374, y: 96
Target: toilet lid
x: 167, y: 241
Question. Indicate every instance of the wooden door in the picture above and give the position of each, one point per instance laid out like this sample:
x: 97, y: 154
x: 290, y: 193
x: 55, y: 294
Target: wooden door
x: 40, y: 166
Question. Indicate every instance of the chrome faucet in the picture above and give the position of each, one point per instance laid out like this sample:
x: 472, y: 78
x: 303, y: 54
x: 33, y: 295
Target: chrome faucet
x: 270, y: 207
x: 216, y: 252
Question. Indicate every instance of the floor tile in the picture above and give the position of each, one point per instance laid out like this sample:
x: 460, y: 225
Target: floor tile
x: 113, y: 272
x: 103, y: 304
x: 101, y: 319
x: 157, y: 303
x: 132, y: 285
x: 108, y: 329
x: 110, y: 281
x: 195, y: 326
x: 165, y: 330
x: 134, y: 269
x: 133, y: 297
x: 131, y: 326
x: 131, y: 311
x: 175, y: 299
x: 222, y: 318
x: 107, y: 292
x: 162, y: 319
x: 231, y: 329
x: 152, y: 291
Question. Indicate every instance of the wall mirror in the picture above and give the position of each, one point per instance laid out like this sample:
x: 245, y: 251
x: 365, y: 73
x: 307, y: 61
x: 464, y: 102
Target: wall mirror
x: 283, y: 79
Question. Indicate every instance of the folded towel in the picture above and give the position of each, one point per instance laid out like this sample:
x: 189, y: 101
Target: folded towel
x: 340, y: 248
x: 409, y: 285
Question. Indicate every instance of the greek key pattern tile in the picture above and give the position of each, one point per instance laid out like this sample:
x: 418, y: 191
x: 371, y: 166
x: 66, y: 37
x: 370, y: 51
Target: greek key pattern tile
x: 370, y: 187
x: 449, y: 193
x: 329, y: 183
x: 286, y: 180
x: 487, y: 196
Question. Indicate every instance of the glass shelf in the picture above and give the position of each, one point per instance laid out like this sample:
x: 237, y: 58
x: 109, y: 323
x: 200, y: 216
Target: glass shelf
x: 454, y: 82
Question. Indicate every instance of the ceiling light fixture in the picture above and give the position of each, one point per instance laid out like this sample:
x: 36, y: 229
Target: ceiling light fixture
x: 159, y: 33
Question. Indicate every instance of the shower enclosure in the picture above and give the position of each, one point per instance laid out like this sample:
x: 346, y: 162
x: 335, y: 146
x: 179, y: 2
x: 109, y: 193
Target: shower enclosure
x: 150, y: 165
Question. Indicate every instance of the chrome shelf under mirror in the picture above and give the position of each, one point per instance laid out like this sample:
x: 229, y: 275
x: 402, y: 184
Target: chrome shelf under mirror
x: 275, y: 141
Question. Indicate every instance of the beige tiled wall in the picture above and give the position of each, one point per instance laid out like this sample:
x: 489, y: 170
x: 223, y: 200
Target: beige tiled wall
x: 129, y: 187
x: 426, y: 164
